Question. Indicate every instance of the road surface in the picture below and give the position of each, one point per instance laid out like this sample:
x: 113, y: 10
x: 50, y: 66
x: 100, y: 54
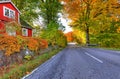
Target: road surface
x: 80, y: 63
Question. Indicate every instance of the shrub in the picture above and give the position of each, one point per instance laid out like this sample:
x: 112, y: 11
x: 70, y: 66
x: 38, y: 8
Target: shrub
x: 32, y: 44
x: 55, y: 37
x: 9, y: 44
x: 42, y: 43
x: 22, y: 41
x: 108, y: 40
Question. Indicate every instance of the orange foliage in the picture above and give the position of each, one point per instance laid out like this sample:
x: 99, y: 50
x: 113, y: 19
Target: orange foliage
x: 43, y: 43
x: 72, y: 8
x: 32, y: 44
x: 35, y: 44
x: 69, y: 36
x: 9, y: 44
x: 78, y: 8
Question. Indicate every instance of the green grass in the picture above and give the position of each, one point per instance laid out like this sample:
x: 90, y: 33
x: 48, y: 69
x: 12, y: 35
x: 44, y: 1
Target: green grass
x: 20, y: 70
x: 116, y: 49
x: 106, y: 48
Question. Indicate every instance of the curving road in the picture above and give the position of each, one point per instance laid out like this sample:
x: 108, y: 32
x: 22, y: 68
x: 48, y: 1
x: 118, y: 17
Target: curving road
x: 80, y: 63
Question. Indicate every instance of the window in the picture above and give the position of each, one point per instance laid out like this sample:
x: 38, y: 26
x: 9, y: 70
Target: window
x: 24, y: 32
x: 9, y: 13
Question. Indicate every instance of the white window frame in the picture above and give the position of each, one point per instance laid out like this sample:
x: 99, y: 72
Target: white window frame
x: 24, y: 32
x: 10, y: 10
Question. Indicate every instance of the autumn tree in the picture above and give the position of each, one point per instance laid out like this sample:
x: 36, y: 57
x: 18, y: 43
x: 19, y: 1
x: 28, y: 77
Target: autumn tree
x: 86, y: 13
x: 79, y: 36
x: 69, y: 36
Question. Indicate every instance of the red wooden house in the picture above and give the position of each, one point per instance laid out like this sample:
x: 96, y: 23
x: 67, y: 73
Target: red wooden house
x: 26, y: 28
x: 9, y: 12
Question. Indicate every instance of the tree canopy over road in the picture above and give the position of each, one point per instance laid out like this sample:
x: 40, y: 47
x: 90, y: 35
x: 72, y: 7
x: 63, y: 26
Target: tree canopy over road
x: 99, y: 19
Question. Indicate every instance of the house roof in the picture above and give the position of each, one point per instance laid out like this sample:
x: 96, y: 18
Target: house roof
x: 1, y: 2
x: 25, y: 24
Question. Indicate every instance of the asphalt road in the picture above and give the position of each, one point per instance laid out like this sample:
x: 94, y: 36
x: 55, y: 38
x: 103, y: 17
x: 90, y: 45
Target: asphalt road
x: 80, y: 63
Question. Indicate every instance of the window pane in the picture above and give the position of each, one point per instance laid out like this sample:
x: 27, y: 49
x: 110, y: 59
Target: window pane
x: 6, y: 12
x: 12, y: 14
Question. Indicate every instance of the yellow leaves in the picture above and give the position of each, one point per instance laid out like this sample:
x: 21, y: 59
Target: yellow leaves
x: 77, y: 8
x: 76, y: 35
x: 80, y: 36
x: 97, y: 7
x: 93, y: 1
x: 118, y: 30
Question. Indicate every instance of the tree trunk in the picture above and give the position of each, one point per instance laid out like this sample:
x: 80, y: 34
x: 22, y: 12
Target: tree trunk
x: 87, y: 35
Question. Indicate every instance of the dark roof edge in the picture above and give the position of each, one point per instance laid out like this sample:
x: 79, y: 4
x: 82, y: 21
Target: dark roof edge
x: 25, y: 24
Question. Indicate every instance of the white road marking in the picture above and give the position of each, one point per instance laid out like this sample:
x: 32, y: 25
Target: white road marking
x: 30, y: 73
x: 94, y: 57
x: 53, y: 56
x: 35, y: 69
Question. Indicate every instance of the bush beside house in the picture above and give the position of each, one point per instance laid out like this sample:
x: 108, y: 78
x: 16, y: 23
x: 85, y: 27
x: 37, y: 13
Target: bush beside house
x: 11, y: 47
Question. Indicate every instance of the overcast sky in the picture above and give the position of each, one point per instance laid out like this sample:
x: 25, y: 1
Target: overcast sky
x: 65, y: 22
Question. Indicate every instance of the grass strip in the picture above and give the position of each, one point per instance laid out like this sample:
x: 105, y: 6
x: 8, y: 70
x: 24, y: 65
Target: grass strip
x: 116, y: 49
x: 20, y: 70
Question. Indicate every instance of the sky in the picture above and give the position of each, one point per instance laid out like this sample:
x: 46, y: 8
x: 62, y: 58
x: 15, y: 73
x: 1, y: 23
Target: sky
x: 65, y: 22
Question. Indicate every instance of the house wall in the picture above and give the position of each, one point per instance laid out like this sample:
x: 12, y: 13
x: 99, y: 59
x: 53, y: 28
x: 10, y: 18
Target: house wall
x: 2, y: 28
x: 29, y: 32
x: 8, y: 5
x: 1, y: 12
x: 26, y: 32
x: 4, y: 19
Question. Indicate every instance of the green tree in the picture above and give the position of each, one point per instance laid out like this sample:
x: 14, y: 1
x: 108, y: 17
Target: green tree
x: 28, y: 9
x: 54, y: 36
x: 49, y: 10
